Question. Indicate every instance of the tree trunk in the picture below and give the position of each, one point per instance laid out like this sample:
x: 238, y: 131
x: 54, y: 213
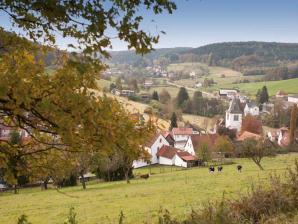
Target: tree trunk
x: 45, y: 184
x: 127, y: 176
x: 83, y: 180
x: 15, y: 189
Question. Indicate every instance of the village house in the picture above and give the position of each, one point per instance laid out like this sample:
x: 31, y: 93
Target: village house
x: 171, y: 156
x: 247, y: 135
x: 152, y: 147
x: 281, y: 94
x: 234, y: 115
x: 181, y: 136
x: 252, y: 109
x: 148, y: 83
x: 228, y: 93
x: 293, y: 98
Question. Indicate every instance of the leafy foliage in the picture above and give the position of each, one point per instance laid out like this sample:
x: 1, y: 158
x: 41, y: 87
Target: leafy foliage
x: 86, y: 22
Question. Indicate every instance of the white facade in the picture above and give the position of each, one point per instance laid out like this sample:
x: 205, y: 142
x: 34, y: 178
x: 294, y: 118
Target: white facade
x: 293, y: 99
x: 189, y: 147
x: 157, y: 144
x: 179, y: 162
x: 253, y: 110
x: 233, y: 121
x: 166, y: 161
x: 180, y: 137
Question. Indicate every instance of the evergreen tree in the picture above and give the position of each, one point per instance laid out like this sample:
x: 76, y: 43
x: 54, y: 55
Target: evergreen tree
x: 264, y: 96
x: 155, y: 96
x: 173, y: 121
x: 182, y: 97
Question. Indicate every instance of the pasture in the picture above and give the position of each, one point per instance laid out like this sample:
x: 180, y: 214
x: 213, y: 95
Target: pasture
x: 171, y: 188
x: 289, y: 85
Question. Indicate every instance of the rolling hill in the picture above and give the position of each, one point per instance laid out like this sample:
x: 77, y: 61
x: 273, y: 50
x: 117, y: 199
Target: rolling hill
x: 241, y: 56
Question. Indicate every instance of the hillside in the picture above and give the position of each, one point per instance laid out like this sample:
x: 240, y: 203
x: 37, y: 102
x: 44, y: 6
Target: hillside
x: 242, y: 56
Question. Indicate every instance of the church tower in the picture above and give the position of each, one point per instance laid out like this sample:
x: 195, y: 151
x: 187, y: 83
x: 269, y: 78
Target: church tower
x: 234, y: 115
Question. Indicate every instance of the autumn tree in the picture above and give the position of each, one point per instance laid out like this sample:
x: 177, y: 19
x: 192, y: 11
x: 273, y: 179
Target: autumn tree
x: 257, y: 149
x: 173, y: 121
x: 251, y: 124
x: 293, y: 124
x: 164, y: 96
x: 204, y: 152
x: 223, y: 145
x: 65, y: 104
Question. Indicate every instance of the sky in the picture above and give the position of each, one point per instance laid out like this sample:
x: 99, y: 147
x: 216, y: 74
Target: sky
x: 199, y: 22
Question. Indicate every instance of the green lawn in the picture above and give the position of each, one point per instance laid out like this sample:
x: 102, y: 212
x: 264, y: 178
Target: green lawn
x: 290, y: 86
x: 175, y: 189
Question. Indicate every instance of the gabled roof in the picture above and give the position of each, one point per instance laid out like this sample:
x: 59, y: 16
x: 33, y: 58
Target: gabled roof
x: 152, y: 140
x: 182, y: 131
x: 246, y: 135
x: 169, y: 152
x: 235, y: 106
x: 251, y: 104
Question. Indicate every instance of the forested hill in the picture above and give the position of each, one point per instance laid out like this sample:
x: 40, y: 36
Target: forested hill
x: 129, y: 57
x: 237, y: 55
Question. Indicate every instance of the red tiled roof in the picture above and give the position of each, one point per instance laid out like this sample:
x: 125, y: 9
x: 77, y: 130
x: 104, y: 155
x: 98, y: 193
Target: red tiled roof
x: 169, y: 152
x: 182, y: 131
x: 152, y: 140
x: 246, y: 135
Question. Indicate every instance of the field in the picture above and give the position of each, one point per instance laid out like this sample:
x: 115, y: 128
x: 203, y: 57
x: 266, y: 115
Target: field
x: 172, y: 188
x: 231, y: 76
x: 290, y: 86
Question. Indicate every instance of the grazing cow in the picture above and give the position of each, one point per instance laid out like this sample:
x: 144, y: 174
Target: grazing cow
x: 219, y: 168
x: 239, y: 168
x: 145, y: 176
x: 211, y: 169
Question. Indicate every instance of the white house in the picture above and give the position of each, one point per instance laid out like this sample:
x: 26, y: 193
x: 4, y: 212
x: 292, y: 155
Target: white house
x: 198, y: 85
x: 234, y: 115
x: 229, y: 93
x: 171, y: 156
x: 252, y: 109
x: 152, y: 148
x: 293, y: 98
x: 189, y: 147
x: 148, y: 83
x: 181, y: 136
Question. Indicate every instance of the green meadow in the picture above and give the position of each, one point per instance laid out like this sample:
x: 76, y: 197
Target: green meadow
x: 175, y: 189
x: 289, y: 85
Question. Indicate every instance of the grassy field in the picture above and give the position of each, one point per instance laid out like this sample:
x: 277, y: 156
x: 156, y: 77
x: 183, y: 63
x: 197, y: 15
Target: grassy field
x: 175, y: 189
x: 290, y: 86
x: 231, y: 76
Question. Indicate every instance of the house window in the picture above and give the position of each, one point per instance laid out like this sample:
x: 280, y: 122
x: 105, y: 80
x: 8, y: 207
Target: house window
x: 236, y: 117
x: 160, y: 140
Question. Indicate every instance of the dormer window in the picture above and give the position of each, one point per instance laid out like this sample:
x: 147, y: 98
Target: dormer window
x: 236, y: 117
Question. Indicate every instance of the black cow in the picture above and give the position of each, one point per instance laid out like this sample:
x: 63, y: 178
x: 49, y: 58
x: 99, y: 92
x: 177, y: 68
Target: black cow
x: 211, y: 169
x: 145, y: 176
x: 239, y: 168
x: 219, y: 168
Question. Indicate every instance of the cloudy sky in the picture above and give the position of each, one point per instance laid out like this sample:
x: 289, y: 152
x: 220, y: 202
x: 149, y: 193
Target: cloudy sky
x: 200, y: 22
